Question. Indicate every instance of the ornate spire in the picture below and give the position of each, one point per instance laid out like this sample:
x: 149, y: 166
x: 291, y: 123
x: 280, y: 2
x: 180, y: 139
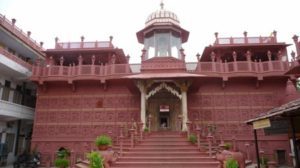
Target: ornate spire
x: 162, y: 5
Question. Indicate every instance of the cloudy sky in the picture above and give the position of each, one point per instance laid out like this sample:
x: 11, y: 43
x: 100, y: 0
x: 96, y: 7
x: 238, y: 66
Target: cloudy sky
x: 98, y: 19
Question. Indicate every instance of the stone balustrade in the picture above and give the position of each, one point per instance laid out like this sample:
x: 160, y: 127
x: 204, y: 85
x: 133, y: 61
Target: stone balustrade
x: 15, y: 58
x: 25, y: 37
x: 242, y: 66
x: 72, y: 72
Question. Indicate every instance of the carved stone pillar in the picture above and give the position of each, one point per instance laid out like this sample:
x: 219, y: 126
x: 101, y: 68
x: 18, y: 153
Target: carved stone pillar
x: 269, y: 54
x: 234, y: 55
x: 142, y: 88
x: 184, y: 109
x: 248, y: 56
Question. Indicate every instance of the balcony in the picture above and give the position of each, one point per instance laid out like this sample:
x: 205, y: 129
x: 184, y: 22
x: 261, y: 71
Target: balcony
x: 242, y: 68
x: 12, y: 28
x: 11, y: 110
x: 84, y: 45
x: 15, y: 58
x: 245, y: 40
x: 79, y: 72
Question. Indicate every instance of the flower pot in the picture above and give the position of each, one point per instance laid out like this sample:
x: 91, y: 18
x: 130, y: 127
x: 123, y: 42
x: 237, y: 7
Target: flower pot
x: 103, y: 147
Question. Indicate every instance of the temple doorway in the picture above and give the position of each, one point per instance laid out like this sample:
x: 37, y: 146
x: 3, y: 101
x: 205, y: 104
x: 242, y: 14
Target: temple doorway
x: 164, y: 107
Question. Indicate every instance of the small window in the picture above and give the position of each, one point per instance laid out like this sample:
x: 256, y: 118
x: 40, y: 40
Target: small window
x: 281, y: 157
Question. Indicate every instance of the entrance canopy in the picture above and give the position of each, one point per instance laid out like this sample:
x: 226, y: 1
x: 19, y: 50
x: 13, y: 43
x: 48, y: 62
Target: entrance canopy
x: 163, y: 75
x: 283, y: 119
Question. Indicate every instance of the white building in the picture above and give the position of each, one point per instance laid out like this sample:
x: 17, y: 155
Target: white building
x: 17, y: 94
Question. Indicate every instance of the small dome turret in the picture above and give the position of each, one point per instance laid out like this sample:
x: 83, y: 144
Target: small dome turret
x: 162, y: 35
x: 162, y: 16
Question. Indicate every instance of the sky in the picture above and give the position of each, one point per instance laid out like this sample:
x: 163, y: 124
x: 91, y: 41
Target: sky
x: 98, y: 19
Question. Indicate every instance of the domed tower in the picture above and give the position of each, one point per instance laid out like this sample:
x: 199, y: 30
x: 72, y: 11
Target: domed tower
x: 162, y: 35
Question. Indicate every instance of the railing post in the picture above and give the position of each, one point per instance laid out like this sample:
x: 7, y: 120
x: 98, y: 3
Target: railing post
x: 231, y: 40
x: 198, y: 129
x: 261, y: 68
x: 245, y: 37
x: 270, y: 65
x: 256, y: 66
x: 213, y: 57
x: 214, y: 66
x: 141, y: 124
x: 149, y: 122
x: 93, y: 65
x: 74, y: 70
x: 226, y: 66
x: 105, y: 70
x: 132, y: 130
x: 199, y: 66
x: 234, y: 143
x: 38, y: 69
x: 234, y: 55
x: 209, y: 139
x: 113, y: 66
x: 121, y: 139
x: 69, y: 70
x: 188, y: 125
x: 247, y: 151
x: 60, y: 70
x: 49, y: 70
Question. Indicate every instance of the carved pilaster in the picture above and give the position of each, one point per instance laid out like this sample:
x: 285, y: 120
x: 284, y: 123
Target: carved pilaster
x: 184, y: 85
x: 142, y: 87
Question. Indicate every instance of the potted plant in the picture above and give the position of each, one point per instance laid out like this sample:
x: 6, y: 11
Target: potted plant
x: 146, y: 129
x: 192, y: 138
x: 103, y: 142
x: 231, y: 163
x: 95, y: 160
x: 227, y: 146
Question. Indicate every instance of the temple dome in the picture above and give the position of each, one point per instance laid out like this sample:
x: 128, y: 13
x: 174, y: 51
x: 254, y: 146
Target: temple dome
x: 162, y: 16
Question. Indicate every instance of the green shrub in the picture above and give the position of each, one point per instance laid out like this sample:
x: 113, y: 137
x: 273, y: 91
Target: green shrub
x: 231, y: 163
x: 263, y: 160
x: 192, y: 138
x: 103, y: 140
x: 146, y: 129
x: 227, y: 146
x: 95, y: 160
x: 62, y: 156
x: 61, y: 163
x: 62, y: 153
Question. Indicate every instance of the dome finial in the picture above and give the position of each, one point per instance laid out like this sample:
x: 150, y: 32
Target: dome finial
x: 162, y: 5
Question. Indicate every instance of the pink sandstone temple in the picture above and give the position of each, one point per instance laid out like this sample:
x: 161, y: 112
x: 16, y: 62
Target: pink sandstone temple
x: 89, y: 88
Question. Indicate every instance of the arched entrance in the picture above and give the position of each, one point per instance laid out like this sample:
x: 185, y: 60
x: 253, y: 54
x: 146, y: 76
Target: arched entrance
x: 164, y: 105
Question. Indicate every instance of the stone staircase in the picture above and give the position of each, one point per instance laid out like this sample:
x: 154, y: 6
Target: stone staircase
x: 165, y: 150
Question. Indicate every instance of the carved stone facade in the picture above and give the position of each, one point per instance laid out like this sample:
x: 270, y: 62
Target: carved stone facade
x: 228, y: 108
x: 74, y: 119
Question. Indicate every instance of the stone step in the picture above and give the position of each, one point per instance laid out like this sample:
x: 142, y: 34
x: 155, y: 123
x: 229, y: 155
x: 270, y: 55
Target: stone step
x: 166, y: 159
x: 172, y: 164
x: 165, y: 153
x: 165, y: 144
x: 160, y: 149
